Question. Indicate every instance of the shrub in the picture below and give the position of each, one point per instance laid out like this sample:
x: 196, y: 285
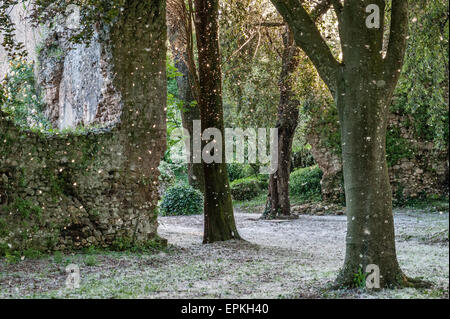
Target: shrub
x: 182, y: 199
x: 247, y: 188
x: 305, y: 182
x: 19, y: 97
x: 238, y: 171
x: 90, y: 261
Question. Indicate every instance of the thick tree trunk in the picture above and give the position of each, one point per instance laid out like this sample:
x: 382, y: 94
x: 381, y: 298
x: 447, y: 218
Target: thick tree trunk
x: 362, y: 85
x: 278, y: 205
x: 364, y: 91
x: 138, y: 53
x: 370, y: 223
x: 219, y: 218
x: 190, y: 114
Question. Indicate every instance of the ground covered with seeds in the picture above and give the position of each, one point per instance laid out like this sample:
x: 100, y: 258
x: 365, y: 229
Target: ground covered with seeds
x: 278, y: 259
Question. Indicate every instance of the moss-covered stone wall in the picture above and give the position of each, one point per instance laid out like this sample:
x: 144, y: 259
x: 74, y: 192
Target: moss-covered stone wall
x: 96, y: 187
x: 70, y: 191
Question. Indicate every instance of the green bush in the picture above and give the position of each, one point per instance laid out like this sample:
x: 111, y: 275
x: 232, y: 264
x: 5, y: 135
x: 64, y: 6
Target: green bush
x: 182, y: 199
x: 19, y: 96
x: 305, y: 182
x: 238, y: 171
x: 248, y: 188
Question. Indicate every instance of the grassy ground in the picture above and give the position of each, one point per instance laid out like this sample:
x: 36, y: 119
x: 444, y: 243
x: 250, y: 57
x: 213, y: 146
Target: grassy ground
x: 279, y: 259
x: 257, y: 204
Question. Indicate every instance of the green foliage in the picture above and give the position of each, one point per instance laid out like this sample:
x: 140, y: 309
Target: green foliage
x: 397, y: 147
x: 238, y: 171
x: 359, y: 279
x: 323, y: 121
x: 174, y: 108
x: 58, y: 257
x: 305, y: 182
x: 167, y: 175
x: 25, y: 208
x: 249, y: 63
x: 20, y: 99
x: 15, y: 256
x: 422, y: 90
x: 90, y: 261
x: 182, y: 199
x: 127, y: 244
x: 248, y: 188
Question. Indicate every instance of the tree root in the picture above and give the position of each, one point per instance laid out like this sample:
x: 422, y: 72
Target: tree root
x: 408, y: 282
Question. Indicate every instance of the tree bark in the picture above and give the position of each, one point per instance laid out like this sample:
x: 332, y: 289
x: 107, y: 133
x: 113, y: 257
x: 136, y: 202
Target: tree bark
x: 362, y: 86
x: 278, y: 205
x: 189, y: 114
x: 219, y: 218
x: 138, y: 58
x: 180, y: 34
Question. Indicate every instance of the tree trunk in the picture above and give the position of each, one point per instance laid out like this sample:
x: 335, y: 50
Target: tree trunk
x: 188, y: 115
x: 370, y: 223
x: 219, y: 218
x: 186, y: 83
x: 364, y: 92
x: 362, y: 86
x: 278, y: 205
x: 138, y: 49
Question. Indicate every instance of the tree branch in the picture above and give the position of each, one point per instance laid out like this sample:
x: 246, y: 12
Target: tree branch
x: 308, y: 37
x: 320, y: 9
x: 397, y: 41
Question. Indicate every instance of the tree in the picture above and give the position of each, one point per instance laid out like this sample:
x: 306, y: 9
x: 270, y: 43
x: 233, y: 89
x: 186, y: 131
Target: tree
x: 278, y: 203
x: 362, y: 86
x: 219, y: 218
x: 278, y: 200
x: 181, y: 42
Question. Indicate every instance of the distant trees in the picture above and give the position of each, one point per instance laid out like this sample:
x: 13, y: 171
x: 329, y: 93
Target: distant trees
x: 181, y: 39
x: 278, y: 204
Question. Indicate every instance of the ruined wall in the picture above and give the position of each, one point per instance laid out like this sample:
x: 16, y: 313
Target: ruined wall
x: 417, y: 168
x: 96, y: 187
x: 331, y: 165
x: 65, y: 192
x: 76, y: 80
x: 422, y: 170
x: 29, y: 36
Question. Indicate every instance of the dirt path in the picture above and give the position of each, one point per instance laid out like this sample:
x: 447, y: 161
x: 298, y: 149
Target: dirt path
x: 281, y: 259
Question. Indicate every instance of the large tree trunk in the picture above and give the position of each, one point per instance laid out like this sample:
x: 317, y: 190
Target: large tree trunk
x: 219, y: 218
x: 190, y: 114
x: 278, y: 205
x: 370, y: 224
x: 364, y: 93
x: 362, y: 85
x: 141, y: 26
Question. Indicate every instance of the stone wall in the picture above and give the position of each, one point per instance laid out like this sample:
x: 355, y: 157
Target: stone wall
x: 67, y: 191
x: 422, y: 171
x: 98, y: 187
x: 76, y: 80
x: 29, y: 36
